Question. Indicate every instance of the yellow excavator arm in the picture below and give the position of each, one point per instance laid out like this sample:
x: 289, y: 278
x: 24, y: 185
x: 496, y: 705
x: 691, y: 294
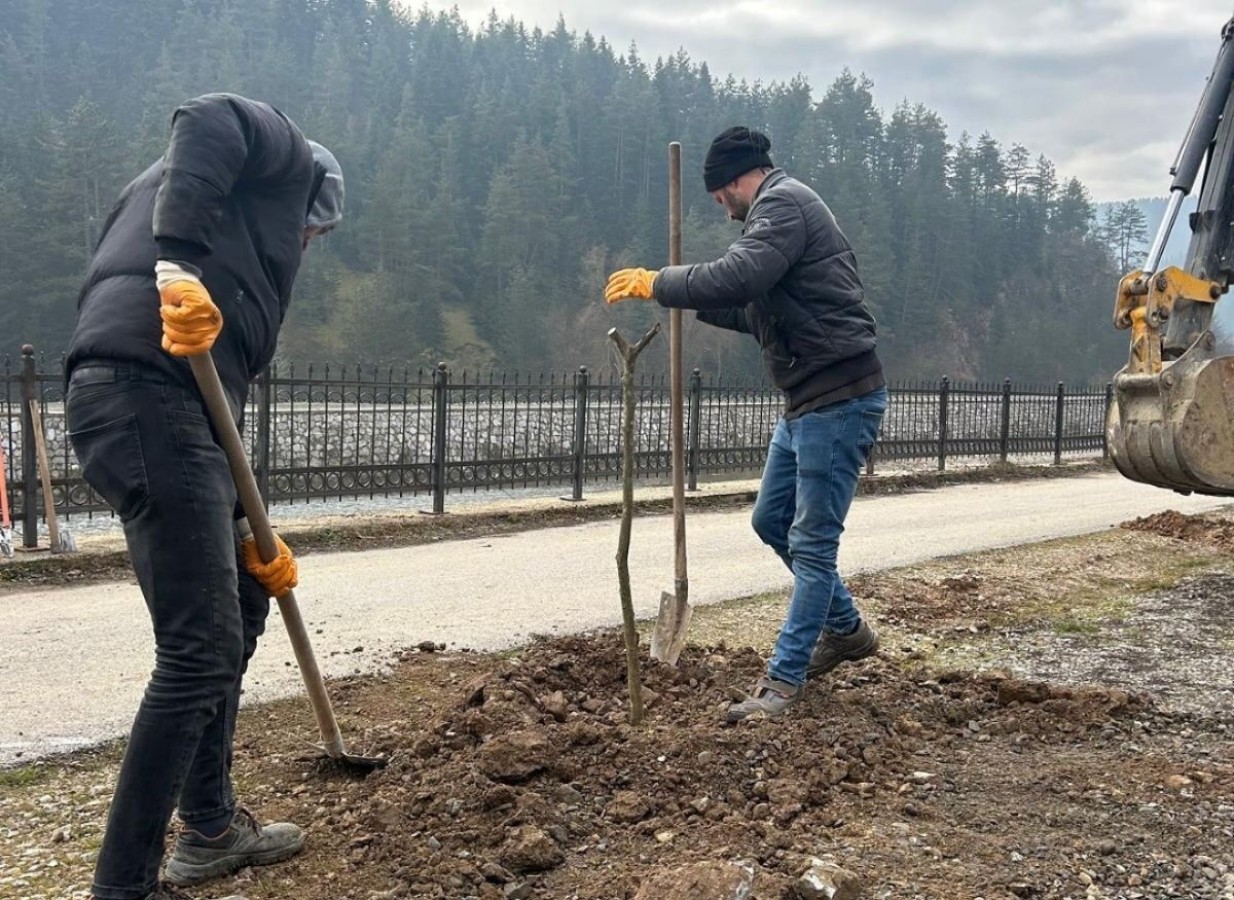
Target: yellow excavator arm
x: 1172, y: 420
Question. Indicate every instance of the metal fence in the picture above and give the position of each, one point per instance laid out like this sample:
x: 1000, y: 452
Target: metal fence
x: 319, y: 432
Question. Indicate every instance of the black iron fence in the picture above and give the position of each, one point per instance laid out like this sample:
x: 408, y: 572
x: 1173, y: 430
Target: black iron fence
x: 319, y: 432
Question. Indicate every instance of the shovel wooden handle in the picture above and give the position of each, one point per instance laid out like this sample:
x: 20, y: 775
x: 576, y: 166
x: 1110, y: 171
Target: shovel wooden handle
x: 4, y: 492
x: 676, y: 387
x: 207, y: 377
x: 49, y: 499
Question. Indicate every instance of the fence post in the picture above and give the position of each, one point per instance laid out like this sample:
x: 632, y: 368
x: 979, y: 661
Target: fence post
x: 693, y: 441
x: 441, y: 377
x: 1058, y: 425
x: 582, y: 380
x: 263, y: 433
x: 29, y: 455
x: 944, y: 396
x: 1105, y: 421
x: 1004, y: 435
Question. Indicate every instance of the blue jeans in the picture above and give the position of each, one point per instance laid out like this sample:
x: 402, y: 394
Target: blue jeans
x: 808, y: 485
x: 146, y: 447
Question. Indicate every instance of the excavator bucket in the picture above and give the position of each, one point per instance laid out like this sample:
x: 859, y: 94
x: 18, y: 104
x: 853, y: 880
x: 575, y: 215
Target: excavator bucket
x: 1175, y: 428
x: 1172, y: 420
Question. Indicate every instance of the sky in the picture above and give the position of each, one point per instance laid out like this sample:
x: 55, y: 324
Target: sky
x: 1104, y: 88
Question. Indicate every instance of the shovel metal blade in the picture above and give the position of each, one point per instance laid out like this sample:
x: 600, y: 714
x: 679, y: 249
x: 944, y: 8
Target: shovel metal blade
x: 1175, y: 429
x: 355, y: 762
x: 668, y: 638
x: 662, y: 634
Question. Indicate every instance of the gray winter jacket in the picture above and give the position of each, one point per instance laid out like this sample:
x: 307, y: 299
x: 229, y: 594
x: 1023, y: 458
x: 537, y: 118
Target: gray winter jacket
x: 790, y: 280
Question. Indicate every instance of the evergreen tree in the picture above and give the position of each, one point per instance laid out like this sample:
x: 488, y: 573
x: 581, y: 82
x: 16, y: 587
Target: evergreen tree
x: 496, y: 174
x: 1125, y: 232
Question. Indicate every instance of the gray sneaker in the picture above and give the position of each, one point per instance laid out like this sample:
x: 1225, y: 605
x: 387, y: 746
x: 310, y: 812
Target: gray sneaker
x: 833, y: 649
x: 768, y: 699
x: 245, y: 843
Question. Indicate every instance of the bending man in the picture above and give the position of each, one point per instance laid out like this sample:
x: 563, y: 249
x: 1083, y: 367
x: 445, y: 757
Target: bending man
x: 200, y: 252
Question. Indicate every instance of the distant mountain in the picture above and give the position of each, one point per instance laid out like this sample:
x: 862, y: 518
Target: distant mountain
x: 1154, y: 211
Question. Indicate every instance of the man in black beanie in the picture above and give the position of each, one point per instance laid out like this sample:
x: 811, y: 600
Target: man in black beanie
x: 791, y: 280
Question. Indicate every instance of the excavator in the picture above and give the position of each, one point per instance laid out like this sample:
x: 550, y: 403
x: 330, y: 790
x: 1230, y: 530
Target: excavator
x: 1171, y: 422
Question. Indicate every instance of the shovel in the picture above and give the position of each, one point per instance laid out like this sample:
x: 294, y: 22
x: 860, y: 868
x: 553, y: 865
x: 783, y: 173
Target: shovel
x: 669, y: 637
x: 255, y: 510
x: 60, y: 539
x: 6, y: 524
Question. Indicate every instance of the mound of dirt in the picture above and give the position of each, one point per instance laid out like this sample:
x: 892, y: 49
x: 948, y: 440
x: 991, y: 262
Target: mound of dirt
x: 532, y: 783
x: 1201, y: 529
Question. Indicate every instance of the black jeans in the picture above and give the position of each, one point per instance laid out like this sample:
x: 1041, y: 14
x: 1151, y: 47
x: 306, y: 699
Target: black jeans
x: 146, y: 447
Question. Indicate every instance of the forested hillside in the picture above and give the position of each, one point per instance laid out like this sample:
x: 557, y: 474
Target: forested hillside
x: 496, y: 175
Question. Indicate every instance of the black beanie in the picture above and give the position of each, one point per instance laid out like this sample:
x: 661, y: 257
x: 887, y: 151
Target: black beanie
x: 734, y: 152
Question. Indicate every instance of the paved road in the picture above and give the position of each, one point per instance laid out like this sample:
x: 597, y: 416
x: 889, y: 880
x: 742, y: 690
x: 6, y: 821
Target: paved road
x: 73, y: 661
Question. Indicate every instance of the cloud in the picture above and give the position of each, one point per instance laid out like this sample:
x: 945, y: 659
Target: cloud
x: 1104, y: 88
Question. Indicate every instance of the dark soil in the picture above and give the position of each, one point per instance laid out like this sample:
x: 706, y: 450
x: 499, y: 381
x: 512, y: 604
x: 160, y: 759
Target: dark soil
x: 521, y: 777
x: 1215, y: 532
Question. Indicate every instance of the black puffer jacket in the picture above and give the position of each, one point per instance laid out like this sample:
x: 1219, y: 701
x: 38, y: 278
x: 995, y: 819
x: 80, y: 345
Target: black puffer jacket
x: 230, y: 197
x: 790, y: 280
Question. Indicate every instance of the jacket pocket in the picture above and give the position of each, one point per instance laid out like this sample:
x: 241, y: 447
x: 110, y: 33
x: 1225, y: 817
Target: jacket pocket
x: 778, y: 345
x: 113, y: 464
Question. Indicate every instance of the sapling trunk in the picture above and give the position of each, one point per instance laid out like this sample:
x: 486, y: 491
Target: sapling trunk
x: 629, y: 355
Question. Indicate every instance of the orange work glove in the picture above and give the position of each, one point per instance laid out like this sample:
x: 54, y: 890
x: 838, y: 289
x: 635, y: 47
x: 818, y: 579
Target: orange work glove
x: 191, y: 321
x: 277, y: 576
x: 626, y: 284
